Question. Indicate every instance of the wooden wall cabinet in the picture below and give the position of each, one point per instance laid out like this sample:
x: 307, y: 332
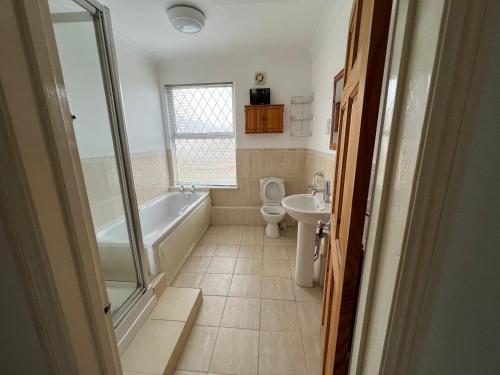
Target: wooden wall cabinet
x: 264, y: 118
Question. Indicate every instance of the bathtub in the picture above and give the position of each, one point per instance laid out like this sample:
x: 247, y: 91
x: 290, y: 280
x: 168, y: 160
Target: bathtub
x: 171, y: 226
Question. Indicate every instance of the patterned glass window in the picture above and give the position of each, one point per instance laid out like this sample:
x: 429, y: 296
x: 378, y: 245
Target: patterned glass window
x: 202, y: 133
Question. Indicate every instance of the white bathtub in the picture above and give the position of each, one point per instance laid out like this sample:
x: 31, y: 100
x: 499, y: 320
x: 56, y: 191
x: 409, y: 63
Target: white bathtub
x: 171, y: 226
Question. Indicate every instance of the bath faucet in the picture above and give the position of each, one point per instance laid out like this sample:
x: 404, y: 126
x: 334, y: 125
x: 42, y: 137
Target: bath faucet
x: 193, y: 189
x: 182, y: 189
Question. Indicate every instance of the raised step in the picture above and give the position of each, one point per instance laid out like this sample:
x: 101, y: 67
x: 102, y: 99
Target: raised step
x: 159, y: 342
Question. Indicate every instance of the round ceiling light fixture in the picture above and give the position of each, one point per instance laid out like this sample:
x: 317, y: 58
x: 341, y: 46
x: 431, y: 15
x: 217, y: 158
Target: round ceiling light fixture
x: 186, y: 19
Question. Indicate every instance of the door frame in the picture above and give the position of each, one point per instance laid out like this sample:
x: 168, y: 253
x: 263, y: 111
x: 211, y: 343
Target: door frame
x: 440, y: 43
x: 45, y: 211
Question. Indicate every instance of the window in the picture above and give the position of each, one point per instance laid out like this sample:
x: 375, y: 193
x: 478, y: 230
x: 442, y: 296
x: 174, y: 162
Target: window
x: 202, y: 133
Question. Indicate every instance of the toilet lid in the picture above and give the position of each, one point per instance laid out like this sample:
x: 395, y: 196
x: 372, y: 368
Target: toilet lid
x: 272, y: 190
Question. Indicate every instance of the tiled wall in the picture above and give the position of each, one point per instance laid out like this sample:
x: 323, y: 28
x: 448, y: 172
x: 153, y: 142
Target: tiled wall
x: 151, y: 176
x: 295, y: 165
x: 230, y: 206
x: 101, y: 179
x: 242, y: 205
x: 316, y: 161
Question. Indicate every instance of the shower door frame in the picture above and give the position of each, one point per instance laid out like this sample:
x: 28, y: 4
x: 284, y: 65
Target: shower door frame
x: 107, y: 54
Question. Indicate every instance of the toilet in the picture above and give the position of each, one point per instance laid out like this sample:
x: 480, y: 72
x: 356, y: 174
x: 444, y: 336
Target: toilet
x: 272, y: 191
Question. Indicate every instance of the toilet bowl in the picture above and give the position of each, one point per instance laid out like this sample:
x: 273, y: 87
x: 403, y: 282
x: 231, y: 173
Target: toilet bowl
x: 272, y: 191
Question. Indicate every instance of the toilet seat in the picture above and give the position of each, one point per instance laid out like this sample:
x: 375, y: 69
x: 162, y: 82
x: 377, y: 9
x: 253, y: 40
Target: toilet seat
x: 273, y: 209
x: 272, y: 190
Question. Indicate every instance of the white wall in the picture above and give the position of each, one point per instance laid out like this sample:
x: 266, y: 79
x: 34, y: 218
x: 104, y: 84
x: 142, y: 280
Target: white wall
x: 141, y: 101
x: 83, y: 79
x: 459, y: 330
x: 287, y: 76
x: 328, y: 58
x: 79, y: 58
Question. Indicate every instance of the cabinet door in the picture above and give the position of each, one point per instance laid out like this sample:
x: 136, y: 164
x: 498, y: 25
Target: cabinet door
x: 272, y: 119
x: 253, y: 123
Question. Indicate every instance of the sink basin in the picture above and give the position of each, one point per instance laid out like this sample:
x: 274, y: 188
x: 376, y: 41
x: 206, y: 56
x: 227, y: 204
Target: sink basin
x: 306, y: 208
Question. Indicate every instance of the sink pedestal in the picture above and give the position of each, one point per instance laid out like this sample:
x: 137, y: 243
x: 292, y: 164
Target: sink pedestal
x: 304, y: 263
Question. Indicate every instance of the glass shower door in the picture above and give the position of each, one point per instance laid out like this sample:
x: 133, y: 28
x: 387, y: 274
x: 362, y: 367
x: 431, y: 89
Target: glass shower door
x: 87, y: 58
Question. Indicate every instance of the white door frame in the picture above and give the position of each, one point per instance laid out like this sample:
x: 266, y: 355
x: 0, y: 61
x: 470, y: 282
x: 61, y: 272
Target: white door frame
x: 44, y: 207
x: 431, y: 52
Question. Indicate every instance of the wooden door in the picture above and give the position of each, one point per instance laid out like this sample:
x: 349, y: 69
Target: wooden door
x: 253, y: 123
x: 363, y: 72
x: 272, y: 117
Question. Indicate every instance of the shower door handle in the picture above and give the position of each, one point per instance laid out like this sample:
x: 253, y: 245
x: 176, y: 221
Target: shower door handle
x: 107, y: 308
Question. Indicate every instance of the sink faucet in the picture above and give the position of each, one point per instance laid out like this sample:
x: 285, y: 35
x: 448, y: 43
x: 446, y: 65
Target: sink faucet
x: 182, y: 189
x: 193, y: 189
x: 326, y: 191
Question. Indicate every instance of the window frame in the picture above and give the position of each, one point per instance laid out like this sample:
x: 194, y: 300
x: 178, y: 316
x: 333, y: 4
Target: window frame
x: 173, y: 135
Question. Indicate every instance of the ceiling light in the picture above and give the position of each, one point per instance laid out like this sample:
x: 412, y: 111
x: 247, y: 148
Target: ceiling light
x: 186, y: 19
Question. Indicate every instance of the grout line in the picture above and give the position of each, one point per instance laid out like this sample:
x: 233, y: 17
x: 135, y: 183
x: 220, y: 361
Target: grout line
x: 220, y: 324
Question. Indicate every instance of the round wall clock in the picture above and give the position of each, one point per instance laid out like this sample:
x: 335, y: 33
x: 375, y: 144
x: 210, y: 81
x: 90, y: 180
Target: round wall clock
x: 260, y: 78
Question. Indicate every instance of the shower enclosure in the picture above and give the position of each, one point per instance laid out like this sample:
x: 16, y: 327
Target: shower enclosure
x: 85, y: 46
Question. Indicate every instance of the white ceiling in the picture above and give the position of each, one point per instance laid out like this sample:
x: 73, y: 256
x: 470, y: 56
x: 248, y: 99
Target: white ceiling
x: 232, y: 26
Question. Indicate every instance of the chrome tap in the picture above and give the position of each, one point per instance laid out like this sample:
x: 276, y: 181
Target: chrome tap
x: 182, y: 189
x: 193, y: 189
x: 326, y: 191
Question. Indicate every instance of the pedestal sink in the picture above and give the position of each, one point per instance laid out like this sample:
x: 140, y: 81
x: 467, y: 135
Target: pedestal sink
x: 307, y: 210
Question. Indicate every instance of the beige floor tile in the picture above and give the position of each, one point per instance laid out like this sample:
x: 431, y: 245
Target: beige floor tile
x: 281, y: 241
x: 225, y: 250
x: 204, y: 249
x: 241, y: 313
x: 230, y: 234
x: 292, y: 252
x: 248, y: 266
x: 309, y: 317
x: 196, y: 264
x: 188, y: 280
x: 211, y: 235
x: 314, y: 294
x: 211, y: 310
x: 253, y: 236
x: 222, y: 265
x: 312, y: 349
x: 281, y: 354
x: 236, y: 352
x: 151, y: 348
x: 279, y: 315
x: 277, y: 288
x: 175, y: 304
x: 215, y: 285
x: 275, y: 267
x: 291, y: 241
x: 291, y: 236
x: 184, y: 372
x: 275, y: 252
x: 199, y: 348
x: 250, y: 251
x: 245, y: 286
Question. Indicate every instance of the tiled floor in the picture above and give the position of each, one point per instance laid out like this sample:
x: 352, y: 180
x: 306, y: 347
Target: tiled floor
x: 254, y: 319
